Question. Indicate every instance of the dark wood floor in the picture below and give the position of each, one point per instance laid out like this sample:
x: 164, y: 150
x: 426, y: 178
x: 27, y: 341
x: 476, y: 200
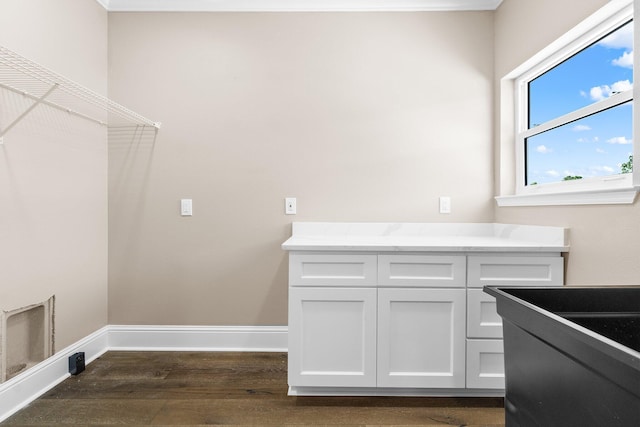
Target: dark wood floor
x: 203, y: 388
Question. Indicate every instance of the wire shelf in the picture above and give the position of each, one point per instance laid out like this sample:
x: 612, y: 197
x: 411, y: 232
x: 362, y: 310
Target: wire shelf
x: 43, y: 86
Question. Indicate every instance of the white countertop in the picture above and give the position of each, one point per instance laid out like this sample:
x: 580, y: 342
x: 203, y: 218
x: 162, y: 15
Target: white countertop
x: 418, y: 237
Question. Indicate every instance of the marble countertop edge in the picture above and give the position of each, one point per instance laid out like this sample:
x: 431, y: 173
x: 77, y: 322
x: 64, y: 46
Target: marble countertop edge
x: 423, y: 237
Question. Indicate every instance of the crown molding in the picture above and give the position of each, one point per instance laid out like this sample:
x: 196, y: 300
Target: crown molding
x: 104, y: 3
x: 297, y: 5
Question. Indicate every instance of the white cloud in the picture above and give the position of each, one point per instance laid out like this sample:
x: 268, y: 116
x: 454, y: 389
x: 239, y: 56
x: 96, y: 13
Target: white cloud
x: 581, y: 128
x: 600, y: 169
x: 621, y: 140
x: 598, y: 93
x: 600, y: 151
x: 621, y: 39
x: 621, y: 86
x: 542, y: 149
x: 552, y: 173
x: 625, y: 61
x: 587, y: 140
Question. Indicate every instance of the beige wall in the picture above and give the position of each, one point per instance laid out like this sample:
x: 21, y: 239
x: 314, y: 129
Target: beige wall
x: 361, y: 116
x: 604, y: 239
x: 53, y: 172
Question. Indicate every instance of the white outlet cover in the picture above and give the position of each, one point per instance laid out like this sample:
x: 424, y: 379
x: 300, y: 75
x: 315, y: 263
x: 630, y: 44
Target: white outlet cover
x: 290, y: 206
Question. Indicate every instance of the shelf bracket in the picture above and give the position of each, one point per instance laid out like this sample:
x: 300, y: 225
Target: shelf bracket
x: 27, y: 111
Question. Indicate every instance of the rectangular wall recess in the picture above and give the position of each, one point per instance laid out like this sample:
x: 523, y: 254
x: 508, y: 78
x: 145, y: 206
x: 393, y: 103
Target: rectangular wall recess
x: 26, y: 337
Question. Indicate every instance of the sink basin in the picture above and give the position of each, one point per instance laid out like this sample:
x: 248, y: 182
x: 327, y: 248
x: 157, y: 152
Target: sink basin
x: 572, y: 355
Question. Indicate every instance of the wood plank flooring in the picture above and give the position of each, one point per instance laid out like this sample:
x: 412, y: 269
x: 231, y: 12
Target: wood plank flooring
x: 208, y: 388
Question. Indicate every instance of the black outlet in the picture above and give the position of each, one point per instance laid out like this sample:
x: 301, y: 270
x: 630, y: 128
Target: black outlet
x: 76, y: 363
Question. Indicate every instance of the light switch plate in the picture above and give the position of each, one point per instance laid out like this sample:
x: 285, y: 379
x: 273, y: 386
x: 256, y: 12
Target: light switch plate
x: 445, y: 205
x: 186, y: 207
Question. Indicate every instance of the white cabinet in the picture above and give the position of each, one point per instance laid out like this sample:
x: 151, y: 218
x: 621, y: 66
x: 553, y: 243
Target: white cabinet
x: 421, y: 338
x: 385, y: 323
x: 485, y: 354
x: 368, y: 337
x: 332, y: 337
x: 415, y: 295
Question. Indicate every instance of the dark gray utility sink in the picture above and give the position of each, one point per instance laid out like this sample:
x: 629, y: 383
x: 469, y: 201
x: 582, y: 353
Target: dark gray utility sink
x: 572, y: 355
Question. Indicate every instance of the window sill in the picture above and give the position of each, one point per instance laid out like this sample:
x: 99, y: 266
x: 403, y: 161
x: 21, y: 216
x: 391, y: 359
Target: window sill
x: 619, y: 196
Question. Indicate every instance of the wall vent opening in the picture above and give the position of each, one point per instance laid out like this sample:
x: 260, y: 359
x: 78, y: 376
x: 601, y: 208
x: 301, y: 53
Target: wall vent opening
x: 26, y: 337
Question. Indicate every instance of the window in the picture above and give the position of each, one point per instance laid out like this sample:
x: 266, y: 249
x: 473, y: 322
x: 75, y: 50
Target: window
x: 574, y: 115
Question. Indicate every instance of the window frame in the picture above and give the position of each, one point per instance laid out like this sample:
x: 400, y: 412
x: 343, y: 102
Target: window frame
x: 613, y: 189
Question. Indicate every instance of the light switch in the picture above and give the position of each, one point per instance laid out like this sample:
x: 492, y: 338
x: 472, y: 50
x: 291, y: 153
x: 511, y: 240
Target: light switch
x: 186, y: 207
x: 445, y: 205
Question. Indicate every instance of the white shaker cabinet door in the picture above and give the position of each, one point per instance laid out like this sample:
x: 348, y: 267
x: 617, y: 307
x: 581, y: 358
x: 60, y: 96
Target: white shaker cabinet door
x: 421, y: 338
x: 332, y: 337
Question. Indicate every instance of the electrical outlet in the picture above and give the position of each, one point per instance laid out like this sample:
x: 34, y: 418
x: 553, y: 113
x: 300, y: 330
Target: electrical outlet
x: 290, y: 207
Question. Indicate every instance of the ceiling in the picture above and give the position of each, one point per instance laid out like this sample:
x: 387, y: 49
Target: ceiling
x: 296, y: 5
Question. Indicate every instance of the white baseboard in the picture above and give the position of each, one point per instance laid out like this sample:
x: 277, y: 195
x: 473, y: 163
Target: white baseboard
x: 198, y: 338
x: 21, y: 390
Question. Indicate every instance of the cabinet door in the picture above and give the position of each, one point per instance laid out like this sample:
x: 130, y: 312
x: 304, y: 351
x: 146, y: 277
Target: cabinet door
x: 421, y: 338
x: 332, y: 337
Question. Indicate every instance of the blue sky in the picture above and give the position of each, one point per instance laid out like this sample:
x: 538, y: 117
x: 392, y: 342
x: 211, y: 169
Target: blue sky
x: 595, y: 145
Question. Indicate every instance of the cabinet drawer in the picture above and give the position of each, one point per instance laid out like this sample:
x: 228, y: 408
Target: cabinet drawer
x: 485, y: 364
x: 483, y: 320
x: 313, y: 269
x: 422, y: 270
x: 515, y: 271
